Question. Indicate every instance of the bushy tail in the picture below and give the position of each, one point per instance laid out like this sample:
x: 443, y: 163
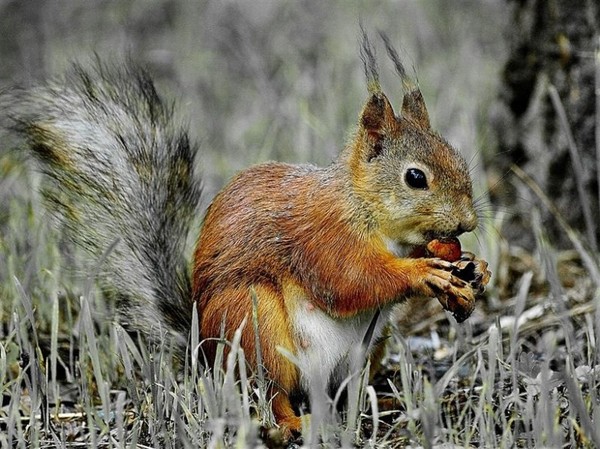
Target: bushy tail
x: 122, y: 178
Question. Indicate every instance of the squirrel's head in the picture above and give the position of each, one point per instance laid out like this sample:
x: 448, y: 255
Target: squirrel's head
x: 414, y: 185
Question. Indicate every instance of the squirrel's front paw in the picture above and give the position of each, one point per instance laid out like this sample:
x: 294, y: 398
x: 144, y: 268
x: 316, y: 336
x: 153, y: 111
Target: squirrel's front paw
x: 455, y: 277
x: 475, y: 272
x: 455, y: 294
x: 472, y: 270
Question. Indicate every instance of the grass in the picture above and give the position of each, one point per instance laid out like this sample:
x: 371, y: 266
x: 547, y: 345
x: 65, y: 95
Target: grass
x: 523, y: 371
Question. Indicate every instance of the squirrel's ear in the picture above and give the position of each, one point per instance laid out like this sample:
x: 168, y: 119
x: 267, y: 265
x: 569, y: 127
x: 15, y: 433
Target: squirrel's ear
x: 377, y: 118
x: 413, y: 106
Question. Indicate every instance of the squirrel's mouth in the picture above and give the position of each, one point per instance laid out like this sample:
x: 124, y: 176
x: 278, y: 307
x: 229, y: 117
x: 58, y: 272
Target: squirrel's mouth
x: 413, y: 243
x: 436, y: 235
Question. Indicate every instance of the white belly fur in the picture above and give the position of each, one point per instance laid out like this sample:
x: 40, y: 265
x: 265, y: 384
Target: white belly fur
x: 324, y: 342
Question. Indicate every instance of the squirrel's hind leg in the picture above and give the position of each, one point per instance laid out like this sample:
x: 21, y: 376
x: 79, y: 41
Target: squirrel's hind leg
x: 274, y: 330
x: 275, y: 334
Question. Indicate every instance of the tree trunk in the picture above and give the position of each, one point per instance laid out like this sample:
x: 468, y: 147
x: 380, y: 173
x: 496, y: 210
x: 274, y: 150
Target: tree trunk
x: 552, y: 65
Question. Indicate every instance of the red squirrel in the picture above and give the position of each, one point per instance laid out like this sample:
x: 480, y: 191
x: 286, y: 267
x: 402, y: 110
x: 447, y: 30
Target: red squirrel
x: 323, y: 248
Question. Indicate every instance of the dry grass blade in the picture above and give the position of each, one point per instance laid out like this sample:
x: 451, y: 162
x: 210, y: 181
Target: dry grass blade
x: 372, y: 396
x: 577, y: 167
x: 589, y: 261
x: 597, y: 88
x: 578, y: 403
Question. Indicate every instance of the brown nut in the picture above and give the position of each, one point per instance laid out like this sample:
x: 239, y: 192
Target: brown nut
x: 447, y: 249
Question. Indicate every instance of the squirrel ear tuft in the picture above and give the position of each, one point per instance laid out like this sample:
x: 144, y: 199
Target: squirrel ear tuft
x: 413, y: 106
x: 377, y: 118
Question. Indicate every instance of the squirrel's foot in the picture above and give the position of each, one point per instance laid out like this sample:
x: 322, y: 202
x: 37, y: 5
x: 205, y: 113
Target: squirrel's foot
x: 289, y: 431
x: 290, y: 424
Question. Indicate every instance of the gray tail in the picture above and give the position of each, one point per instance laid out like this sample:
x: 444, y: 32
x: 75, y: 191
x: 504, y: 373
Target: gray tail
x: 122, y: 178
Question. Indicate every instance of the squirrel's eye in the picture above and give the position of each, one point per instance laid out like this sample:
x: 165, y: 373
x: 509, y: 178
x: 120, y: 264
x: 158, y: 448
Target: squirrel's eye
x: 416, y: 179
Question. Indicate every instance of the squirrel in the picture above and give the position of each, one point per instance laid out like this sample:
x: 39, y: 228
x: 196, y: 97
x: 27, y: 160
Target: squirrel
x: 326, y: 251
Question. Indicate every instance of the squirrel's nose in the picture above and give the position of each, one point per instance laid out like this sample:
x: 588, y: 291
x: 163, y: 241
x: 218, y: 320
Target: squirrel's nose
x: 468, y: 224
x: 468, y: 221
x: 461, y: 229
